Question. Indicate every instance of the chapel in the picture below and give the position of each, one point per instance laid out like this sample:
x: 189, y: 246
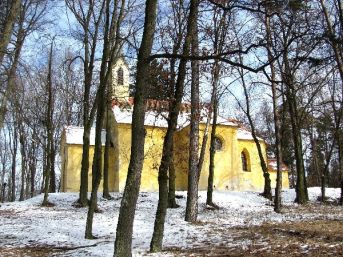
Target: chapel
x: 237, y: 164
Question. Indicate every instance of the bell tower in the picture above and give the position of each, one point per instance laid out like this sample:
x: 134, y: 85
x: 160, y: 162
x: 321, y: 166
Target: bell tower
x: 120, y: 79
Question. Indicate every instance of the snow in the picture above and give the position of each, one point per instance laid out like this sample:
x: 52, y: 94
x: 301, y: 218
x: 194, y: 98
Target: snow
x: 159, y: 119
x: 244, y: 134
x: 74, y: 135
x: 27, y: 223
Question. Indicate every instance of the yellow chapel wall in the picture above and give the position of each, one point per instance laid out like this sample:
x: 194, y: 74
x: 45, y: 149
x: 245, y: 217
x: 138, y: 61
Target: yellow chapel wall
x: 225, y: 174
x: 253, y: 178
x: 228, y: 166
x: 228, y: 174
x: 71, y: 169
x: 285, y: 178
x: 152, y: 156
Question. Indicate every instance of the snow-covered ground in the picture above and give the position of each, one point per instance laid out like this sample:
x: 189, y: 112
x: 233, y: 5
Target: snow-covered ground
x: 28, y: 224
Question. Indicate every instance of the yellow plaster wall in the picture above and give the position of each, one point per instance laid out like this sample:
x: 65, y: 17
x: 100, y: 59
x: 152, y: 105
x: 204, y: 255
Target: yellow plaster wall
x: 228, y: 173
x: 152, y: 156
x: 225, y: 164
x: 253, y: 178
x: 285, y: 179
x: 72, y: 162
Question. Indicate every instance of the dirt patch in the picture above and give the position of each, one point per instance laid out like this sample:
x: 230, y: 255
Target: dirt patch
x: 303, y: 238
x: 34, y: 251
x: 8, y: 214
x: 329, y: 231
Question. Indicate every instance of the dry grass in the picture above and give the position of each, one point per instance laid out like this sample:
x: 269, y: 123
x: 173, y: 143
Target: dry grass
x: 303, y: 238
x: 30, y: 251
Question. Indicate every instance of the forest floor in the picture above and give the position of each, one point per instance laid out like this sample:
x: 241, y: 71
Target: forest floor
x: 245, y: 225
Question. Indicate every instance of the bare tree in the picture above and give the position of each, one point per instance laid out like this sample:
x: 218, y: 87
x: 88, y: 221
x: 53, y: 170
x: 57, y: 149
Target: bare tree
x: 174, y: 109
x: 111, y: 49
x: 89, y: 17
x: 29, y: 15
x: 49, y: 130
x: 334, y: 35
x: 7, y: 29
x: 122, y: 246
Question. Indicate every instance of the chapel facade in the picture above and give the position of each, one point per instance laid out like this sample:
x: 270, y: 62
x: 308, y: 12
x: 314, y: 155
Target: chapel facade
x: 237, y: 164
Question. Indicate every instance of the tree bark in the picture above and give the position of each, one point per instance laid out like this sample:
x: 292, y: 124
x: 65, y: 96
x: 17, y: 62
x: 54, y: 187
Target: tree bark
x: 209, y: 198
x: 32, y: 164
x: 8, y: 27
x: 49, y: 130
x: 83, y: 199
x: 219, y: 39
x: 122, y: 245
x: 301, y: 187
x: 172, y: 176
x: 193, y: 171
x: 52, y: 186
x: 277, y: 132
x: 106, y: 193
x: 335, y: 47
x: 338, y: 57
x: 14, y: 163
x: 23, y: 164
x: 174, y: 109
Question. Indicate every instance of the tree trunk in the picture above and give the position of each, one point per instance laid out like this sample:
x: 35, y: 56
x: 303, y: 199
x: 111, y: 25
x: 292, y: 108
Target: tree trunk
x: 12, y: 74
x: 338, y: 57
x: 52, y: 186
x: 49, y: 130
x: 288, y: 79
x: 172, y: 176
x: 83, y: 199
x: 277, y: 132
x: 100, y: 115
x: 14, y: 163
x: 23, y: 165
x: 301, y: 187
x: 213, y: 110
x: 335, y: 46
x: 193, y: 171
x: 8, y: 27
x: 106, y: 193
x: 220, y: 37
x: 3, y: 184
x: 33, y: 163
x: 90, y: 47
x: 340, y: 163
x: 267, y: 192
x: 278, y: 188
x: 122, y: 246
x: 97, y: 159
x: 209, y: 199
x: 174, y: 109
x: 111, y: 47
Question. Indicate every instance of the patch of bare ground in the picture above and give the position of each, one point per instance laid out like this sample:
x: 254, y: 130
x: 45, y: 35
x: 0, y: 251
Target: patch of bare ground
x: 29, y: 251
x: 39, y: 250
x: 313, y: 238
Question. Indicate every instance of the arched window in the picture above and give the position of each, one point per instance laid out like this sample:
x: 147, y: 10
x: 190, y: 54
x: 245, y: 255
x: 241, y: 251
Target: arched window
x: 218, y: 144
x: 244, y: 161
x: 120, y: 76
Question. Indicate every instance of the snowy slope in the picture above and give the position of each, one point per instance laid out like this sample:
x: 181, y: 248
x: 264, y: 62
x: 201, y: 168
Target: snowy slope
x: 28, y: 224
